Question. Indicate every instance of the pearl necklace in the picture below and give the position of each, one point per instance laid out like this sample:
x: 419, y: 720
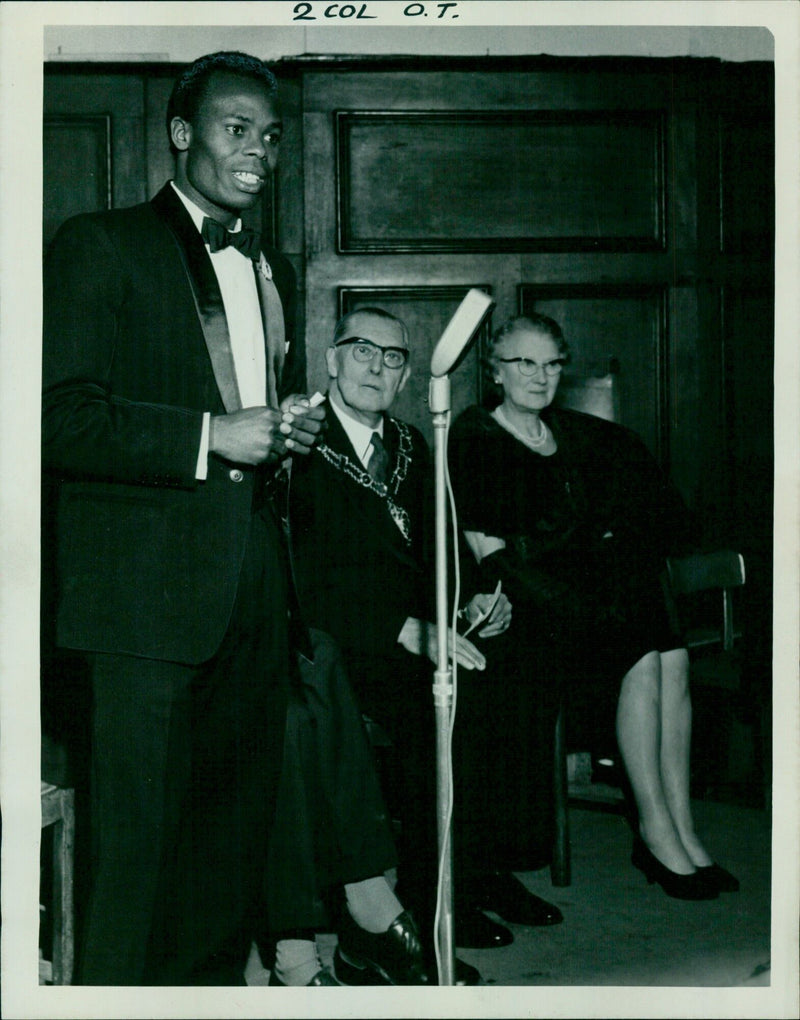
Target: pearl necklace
x: 532, y: 441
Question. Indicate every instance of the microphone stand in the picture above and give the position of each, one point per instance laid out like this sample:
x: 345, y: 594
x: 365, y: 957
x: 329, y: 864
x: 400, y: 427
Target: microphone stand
x: 439, y: 402
x: 452, y: 343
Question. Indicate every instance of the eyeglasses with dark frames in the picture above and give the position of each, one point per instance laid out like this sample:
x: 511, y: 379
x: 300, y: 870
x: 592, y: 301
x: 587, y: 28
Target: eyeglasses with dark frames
x: 364, y: 351
x: 528, y: 367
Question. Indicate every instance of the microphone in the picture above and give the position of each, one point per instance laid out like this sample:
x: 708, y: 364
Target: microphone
x: 459, y: 331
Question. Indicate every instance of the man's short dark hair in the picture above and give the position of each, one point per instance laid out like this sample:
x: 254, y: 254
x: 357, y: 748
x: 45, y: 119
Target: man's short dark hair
x: 190, y: 89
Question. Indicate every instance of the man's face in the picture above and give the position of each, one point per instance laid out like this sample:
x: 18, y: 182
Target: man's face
x: 230, y: 148
x: 367, y: 389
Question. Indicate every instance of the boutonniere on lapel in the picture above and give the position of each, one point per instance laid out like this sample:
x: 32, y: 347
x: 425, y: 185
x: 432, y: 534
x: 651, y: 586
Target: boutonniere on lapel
x: 264, y: 267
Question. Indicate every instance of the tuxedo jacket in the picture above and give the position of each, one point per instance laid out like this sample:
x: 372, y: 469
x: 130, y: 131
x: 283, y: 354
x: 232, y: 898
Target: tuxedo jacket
x: 135, y: 349
x: 360, y: 558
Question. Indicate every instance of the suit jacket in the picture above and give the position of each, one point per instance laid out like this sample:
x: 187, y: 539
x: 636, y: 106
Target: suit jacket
x: 136, y: 348
x: 358, y: 575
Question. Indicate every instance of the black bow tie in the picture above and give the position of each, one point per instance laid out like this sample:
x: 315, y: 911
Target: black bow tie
x: 217, y: 237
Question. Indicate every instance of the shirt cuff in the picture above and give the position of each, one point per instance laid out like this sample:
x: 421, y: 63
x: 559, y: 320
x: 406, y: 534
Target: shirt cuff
x: 201, y: 471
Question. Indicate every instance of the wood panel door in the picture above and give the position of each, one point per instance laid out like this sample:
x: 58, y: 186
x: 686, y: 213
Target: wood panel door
x: 94, y: 151
x: 620, y: 196
x: 634, y: 200
x: 548, y: 189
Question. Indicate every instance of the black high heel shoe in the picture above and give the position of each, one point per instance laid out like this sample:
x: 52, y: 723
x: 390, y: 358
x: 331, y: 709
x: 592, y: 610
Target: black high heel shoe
x: 680, y: 887
x: 718, y: 878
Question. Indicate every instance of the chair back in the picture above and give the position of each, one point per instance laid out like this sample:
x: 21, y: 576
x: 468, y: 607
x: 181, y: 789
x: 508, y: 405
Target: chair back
x: 593, y: 394
x: 722, y: 570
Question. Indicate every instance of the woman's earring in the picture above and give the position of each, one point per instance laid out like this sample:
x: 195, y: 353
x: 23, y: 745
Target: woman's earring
x: 497, y: 382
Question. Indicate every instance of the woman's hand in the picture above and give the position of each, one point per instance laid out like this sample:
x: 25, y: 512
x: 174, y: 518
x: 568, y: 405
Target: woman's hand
x: 420, y: 638
x: 498, y: 620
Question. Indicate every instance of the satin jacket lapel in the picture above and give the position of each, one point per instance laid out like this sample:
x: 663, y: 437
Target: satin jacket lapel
x: 274, y: 331
x: 207, y: 296
x: 372, y: 510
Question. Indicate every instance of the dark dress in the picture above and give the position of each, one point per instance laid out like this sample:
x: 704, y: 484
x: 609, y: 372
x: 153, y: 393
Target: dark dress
x: 587, y: 531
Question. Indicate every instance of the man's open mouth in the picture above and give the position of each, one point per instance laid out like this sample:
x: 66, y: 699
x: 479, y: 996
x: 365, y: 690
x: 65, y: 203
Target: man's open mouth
x: 247, y: 179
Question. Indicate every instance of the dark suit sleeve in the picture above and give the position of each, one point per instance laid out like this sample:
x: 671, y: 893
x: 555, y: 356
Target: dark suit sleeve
x: 89, y: 429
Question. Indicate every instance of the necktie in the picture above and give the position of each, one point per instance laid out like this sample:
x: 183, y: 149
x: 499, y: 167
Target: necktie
x: 217, y: 237
x: 379, y: 461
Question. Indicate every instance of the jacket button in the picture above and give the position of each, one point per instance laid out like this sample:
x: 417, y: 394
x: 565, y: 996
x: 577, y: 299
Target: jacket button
x: 236, y: 475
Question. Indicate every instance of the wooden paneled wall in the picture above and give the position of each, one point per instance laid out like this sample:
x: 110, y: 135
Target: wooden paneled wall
x: 633, y: 200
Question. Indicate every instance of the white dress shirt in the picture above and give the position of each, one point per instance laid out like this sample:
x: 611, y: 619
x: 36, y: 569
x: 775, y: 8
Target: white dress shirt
x: 360, y: 435
x: 237, y: 284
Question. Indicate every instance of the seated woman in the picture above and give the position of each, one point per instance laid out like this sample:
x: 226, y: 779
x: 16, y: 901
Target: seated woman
x: 574, y: 515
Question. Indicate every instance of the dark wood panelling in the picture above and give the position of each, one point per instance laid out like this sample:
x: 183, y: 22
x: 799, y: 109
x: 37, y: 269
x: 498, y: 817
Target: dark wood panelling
x: 747, y: 167
x: 747, y: 314
x: 160, y: 161
x: 499, y: 85
x: 747, y: 193
x: 120, y: 97
x: 289, y: 212
x: 77, y: 168
x: 567, y: 181
x: 623, y: 326
x: 695, y: 342
x: 425, y: 311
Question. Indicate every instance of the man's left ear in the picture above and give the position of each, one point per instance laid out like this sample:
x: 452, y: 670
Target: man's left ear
x: 404, y: 379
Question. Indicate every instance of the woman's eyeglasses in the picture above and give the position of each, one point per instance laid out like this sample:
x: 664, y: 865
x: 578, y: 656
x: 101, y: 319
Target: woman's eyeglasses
x: 528, y: 367
x: 365, y: 350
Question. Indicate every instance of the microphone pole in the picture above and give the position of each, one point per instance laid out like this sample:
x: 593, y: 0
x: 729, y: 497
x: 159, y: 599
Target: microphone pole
x: 457, y: 335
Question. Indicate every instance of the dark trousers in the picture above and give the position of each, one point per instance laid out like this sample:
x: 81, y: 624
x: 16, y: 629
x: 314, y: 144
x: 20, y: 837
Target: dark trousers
x: 185, y: 768
x: 331, y: 825
x: 395, y: 691
x: 502, y: 766
x: 503, y: 760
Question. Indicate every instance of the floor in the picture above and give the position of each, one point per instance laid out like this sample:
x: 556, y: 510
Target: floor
x: 620, y: 931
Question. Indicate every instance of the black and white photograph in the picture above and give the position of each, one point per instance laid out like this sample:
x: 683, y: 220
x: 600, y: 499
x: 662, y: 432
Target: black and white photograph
x: 400, y: 509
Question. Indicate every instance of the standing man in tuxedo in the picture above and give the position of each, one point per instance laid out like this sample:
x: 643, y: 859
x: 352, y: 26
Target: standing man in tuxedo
x: 361, y: 526
x: 171, y: 398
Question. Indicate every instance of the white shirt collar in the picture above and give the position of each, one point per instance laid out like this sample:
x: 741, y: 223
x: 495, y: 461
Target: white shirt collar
x: 360, y: 435
x: 196, y: 212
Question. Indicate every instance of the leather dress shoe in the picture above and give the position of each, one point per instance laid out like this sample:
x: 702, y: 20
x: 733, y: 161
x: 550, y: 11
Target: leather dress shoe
x: 393, y: 957
x: 323, y: 978
x: 504, y: 894
x: 474, y: 930
x: 464, y: 974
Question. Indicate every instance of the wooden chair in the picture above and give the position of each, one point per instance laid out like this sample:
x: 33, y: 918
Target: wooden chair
x: 726, y: 747
x: 720, y: 572
x: 58, y: 811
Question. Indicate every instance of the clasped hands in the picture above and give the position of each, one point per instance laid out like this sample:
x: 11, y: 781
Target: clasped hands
x: 258, y: 435
x: 420, y: 636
